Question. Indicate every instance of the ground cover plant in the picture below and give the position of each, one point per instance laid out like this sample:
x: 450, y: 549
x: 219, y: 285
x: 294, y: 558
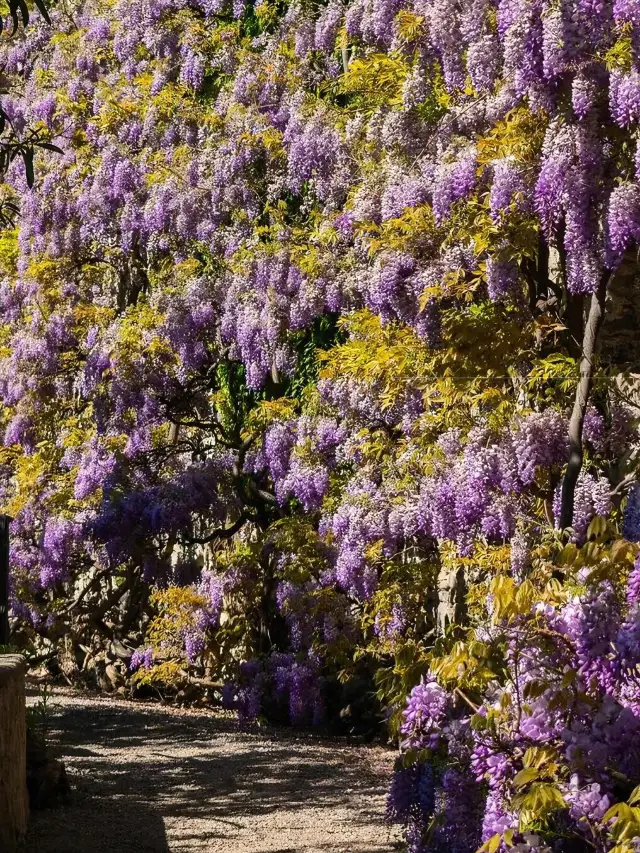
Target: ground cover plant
x: 318, y: 369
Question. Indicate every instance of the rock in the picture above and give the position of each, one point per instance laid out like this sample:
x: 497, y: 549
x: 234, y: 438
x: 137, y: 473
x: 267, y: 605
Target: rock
x: 68, y: 663
x: 48, y: 785
x: 115, y: 677
x: 47, y: 781
x: 120, y: 651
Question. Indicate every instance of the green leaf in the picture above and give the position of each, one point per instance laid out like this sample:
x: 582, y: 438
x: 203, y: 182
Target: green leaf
x: 634, y: 799
x: 619, y: 810
x: 597, y: 527
x: 528, y: 774
x: 538, y: 756
x: 49, y: 146
x: 541, y: 799
x: 27, y: 157
x: 491, y: 845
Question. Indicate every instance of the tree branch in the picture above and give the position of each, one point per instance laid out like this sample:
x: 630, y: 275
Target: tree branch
x: 219, y: 533
x: 583, y: 391
x: 92, y: 583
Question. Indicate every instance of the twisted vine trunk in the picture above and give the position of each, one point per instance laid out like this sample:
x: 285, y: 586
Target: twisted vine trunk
x: 583, y: 392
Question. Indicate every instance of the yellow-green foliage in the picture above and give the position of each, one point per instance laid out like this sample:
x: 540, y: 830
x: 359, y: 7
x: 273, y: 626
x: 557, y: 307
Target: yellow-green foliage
x: 267, y: 413
x: 375, y: 79
x: 620, y: 56
x: 415, y: 230
x: 392, y: 358
x: 8, y: 248
x: 625, y: 826
x: 168, y: 673
x: 177, y: 608
x: 177, y: 611
x: 470, y: 665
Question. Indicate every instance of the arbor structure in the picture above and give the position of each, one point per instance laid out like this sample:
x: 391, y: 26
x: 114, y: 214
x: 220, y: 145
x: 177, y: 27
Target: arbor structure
x: 320, y: 332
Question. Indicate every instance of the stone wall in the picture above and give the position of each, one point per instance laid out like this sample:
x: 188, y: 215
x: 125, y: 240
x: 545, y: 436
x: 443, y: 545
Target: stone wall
x: 14, y: 804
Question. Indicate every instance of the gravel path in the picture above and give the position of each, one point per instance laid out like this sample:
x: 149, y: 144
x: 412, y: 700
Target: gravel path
x: 147, y: 779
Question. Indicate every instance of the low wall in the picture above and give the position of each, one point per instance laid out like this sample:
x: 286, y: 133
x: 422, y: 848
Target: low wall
x: 14, y: 804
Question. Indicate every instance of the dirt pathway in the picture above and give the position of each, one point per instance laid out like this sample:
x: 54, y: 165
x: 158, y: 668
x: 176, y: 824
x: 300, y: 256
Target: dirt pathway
x: 151, y: 780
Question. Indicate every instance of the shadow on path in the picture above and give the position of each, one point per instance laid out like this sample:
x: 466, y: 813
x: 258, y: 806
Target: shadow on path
x: 98, y: 826
x: 149, y: 780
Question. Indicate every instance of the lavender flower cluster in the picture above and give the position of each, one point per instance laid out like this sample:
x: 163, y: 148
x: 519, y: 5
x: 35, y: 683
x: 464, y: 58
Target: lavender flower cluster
x: 592, y: 723
x: 281, y: 685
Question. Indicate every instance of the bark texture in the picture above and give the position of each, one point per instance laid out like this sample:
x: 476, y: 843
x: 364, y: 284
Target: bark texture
x: 451, y: 596
x: 14, y: 805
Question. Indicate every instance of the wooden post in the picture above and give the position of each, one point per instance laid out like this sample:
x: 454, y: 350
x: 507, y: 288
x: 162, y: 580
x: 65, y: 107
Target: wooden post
x: 4, y: 579
x: 14, y: 800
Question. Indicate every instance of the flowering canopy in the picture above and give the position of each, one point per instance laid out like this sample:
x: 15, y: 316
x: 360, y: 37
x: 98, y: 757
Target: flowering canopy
x: 314, y: 326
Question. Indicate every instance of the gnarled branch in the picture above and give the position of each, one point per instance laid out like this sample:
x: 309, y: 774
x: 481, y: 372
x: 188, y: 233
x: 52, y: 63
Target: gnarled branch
x: 219, y: 533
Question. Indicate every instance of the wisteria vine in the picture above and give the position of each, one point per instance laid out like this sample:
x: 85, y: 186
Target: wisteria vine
x: 317, y: 381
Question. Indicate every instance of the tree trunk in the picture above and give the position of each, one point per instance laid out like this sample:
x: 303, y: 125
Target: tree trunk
x: 451, y: 597
x: 14, y: 804
x: 587, y: 364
